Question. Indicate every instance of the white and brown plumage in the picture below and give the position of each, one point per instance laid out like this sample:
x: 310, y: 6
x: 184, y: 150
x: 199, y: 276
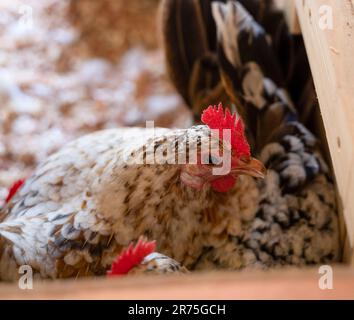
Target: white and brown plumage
x: 291, y: 216
x: 88, y: 201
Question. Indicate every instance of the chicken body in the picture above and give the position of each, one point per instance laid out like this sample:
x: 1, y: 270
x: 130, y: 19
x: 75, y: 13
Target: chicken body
x: 281, y: 227
x: 85, y: 203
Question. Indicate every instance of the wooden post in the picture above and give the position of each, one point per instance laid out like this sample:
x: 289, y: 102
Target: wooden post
x: 328, y: 29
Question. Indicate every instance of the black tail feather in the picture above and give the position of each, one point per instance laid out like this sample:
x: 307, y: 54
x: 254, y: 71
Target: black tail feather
x: 189, y: 39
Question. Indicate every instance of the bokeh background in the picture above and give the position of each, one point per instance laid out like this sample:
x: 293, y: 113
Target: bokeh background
x: 70, y: 67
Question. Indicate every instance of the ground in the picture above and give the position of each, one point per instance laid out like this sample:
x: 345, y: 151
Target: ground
x: 62, y: 77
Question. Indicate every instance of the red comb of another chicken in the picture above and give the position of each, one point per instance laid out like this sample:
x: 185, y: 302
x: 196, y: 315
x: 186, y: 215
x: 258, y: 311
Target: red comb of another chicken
x: 214, y: 118
x: 12, y: 191
x: 131, y: 257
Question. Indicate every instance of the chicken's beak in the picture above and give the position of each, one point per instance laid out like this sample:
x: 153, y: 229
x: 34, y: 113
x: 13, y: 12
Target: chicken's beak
x: 251, y: 167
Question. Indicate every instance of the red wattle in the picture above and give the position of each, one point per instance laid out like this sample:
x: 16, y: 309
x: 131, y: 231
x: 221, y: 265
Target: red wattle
x: 223, y: 184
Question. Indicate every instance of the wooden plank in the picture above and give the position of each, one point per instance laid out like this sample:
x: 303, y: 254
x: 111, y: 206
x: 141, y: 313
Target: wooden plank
x: 331, y: 55
x: 280, y: 284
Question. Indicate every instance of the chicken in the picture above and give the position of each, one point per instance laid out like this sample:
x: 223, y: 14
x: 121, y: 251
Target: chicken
x: 141, y: 259
x: 88, y: 201
x: 290, y: 217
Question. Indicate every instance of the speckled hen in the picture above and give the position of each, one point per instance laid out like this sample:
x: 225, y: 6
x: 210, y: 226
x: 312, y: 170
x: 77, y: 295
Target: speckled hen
x: 85, y: 203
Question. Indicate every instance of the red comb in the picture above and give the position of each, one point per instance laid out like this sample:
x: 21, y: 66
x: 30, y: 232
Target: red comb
x: 131, y: 257
x: 214, y: 118
x: 12, y: 191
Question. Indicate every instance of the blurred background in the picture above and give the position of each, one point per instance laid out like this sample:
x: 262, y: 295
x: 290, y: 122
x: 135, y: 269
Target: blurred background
x: 70, y: 67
